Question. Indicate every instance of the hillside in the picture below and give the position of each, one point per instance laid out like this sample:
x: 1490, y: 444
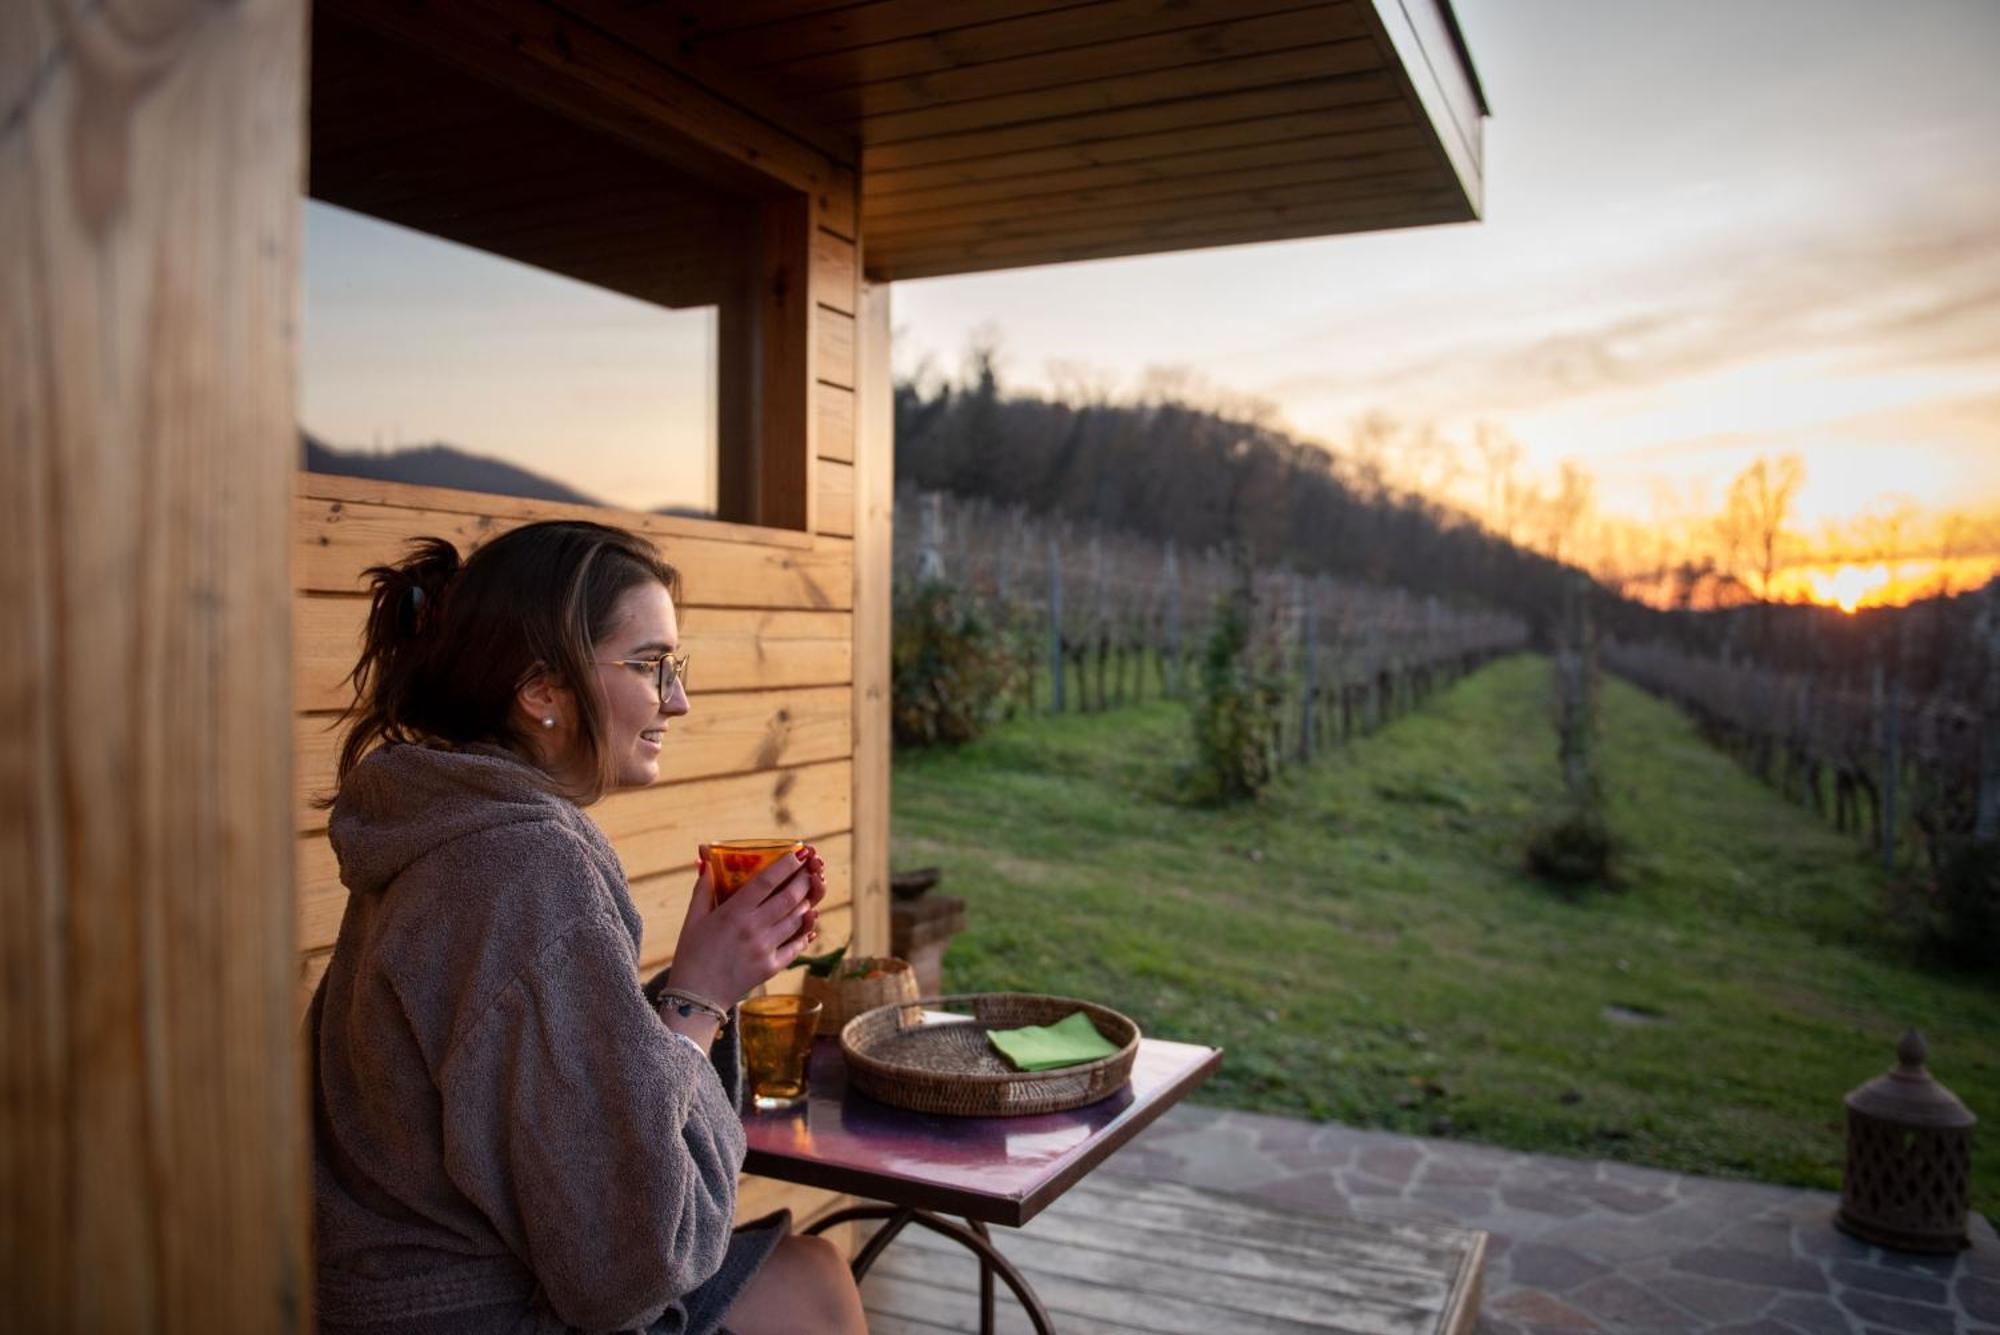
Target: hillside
x: 1204, y: 479
x: 1365, y: 946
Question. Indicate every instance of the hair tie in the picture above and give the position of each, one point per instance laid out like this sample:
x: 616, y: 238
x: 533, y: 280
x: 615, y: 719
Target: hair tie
x: 416, y: 597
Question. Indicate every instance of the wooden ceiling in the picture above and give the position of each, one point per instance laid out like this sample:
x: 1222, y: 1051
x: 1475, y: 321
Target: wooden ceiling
x: 400, y: 136
x: 994, y: 134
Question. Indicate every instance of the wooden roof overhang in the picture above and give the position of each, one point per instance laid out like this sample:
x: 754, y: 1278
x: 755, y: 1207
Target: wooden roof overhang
x: 995, y: 134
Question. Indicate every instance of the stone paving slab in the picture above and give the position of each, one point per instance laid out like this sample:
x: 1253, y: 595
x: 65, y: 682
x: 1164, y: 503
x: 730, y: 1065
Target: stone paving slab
x: 1589, y: 1245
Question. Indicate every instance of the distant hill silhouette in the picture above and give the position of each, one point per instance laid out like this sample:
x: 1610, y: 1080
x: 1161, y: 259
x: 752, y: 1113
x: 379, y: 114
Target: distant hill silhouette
x: 1173, y: 470
x: 438, y: 465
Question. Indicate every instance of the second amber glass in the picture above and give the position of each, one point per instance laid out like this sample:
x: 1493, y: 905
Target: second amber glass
x: 777, y: 1039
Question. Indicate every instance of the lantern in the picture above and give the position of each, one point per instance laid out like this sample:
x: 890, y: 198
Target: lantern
x: 1909, y: 1159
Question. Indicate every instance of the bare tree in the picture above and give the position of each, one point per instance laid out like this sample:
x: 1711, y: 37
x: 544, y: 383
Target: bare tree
x: 1567, y: 508
x: 1369, y: 443
x: 1081, y: 384
x: 1163, y: 383
x: 1759, y: 509
x: 1500, y: 458
x: 1429, y: 463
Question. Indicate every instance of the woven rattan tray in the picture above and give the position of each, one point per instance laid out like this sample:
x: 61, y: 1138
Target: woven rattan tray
x: 932, y: 1055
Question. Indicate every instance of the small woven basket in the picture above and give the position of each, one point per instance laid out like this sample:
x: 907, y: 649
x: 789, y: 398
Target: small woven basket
x: 841, y: 999
x: 914, y: 1057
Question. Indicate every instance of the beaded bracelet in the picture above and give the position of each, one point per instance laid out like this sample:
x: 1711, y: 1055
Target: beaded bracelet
x: 685, y: 1004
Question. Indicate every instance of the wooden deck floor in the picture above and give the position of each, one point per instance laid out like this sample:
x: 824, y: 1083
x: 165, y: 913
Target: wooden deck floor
x: 1118, y: 1255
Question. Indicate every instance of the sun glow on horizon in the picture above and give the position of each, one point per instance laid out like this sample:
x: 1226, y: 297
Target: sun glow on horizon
x: 1851, y: 586
x: 1846, y: 587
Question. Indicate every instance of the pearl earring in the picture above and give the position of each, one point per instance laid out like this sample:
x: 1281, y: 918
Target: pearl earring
x: 548, y: 722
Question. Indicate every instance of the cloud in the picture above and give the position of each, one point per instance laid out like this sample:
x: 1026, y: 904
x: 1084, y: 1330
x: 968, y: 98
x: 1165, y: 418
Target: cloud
x: 1866, y: 300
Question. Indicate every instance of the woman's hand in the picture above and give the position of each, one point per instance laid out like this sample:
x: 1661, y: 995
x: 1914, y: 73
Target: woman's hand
x: 726, y: 949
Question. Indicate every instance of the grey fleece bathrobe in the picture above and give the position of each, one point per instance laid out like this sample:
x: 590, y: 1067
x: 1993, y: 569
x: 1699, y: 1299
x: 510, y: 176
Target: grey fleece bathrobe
x: 507, y: 1138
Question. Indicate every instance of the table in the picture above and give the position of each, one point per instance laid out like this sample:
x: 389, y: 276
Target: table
x: 985, y: 1170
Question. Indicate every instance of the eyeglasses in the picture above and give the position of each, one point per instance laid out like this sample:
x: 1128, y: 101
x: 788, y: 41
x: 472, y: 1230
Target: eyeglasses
x: 666, y: 669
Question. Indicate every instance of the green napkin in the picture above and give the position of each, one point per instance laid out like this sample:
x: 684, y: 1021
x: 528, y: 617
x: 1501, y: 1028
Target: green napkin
x: 1070, y: 1041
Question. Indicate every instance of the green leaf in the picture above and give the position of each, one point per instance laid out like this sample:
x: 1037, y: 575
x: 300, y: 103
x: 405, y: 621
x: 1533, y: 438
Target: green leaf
x: 822, y: 966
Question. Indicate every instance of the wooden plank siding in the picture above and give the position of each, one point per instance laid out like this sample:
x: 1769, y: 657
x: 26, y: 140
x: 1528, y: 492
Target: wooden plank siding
x: 1072, y: 76
x: 1354, y: 102
x: 337, y: 540
x: 732, y: 732
x: 835, y: 290
x: 804, y: 31
x: 836, y: 423
x: 1279, y: 224
x: 750, y: 649
x: 1007, y: 45
x: 1303, y: 180
x: 1295, y: 140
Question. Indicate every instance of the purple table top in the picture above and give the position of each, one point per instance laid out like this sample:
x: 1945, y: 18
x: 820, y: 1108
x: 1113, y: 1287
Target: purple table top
x: 1000, y: 1170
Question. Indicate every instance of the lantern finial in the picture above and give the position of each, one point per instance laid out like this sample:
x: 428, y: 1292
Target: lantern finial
x: 1912, y: 1051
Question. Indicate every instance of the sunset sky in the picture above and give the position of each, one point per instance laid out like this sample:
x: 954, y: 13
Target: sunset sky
x: 1713, y: 231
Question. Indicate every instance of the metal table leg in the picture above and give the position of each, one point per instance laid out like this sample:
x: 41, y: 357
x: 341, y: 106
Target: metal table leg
x: 985, y: 1280
x: 972, y: 1236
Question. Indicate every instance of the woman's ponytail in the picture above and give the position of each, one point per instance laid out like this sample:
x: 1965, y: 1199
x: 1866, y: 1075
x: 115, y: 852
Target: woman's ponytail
x: 406, y: 605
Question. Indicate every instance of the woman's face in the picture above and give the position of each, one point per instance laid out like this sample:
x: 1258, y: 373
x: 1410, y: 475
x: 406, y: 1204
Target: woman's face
x: 643, y: 627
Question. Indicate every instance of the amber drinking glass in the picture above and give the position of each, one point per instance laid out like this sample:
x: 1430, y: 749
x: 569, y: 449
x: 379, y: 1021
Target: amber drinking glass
x: 733, y: 862
x: 777, y: 1039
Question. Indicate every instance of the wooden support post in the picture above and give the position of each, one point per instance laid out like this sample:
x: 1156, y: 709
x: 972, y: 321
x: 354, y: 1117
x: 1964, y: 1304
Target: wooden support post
x: 1103, y: 648
x: 1986, y: 817
x: 1308, y: 674
x: 1118, y: 662
x: 152, y: 1139
x: 874, y: 518
x: 1056, y: 668
x: 1888, y: 708
x: 765, y: 374
x: 930, y: 552
x: 1099, y: 640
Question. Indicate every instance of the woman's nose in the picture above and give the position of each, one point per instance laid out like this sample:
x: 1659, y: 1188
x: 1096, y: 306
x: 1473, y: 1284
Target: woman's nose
x: 676, y: 703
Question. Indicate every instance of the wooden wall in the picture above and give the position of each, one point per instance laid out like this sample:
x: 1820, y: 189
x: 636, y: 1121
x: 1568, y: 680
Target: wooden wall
x: 775, y: 740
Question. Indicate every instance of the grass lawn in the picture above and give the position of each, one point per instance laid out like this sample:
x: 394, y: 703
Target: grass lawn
x: 1367, y: 948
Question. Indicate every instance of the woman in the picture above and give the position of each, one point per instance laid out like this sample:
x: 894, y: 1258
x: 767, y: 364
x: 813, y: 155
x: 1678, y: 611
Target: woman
x: 511, y: 1134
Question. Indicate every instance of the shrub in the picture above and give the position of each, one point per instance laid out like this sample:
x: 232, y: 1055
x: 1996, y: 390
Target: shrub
x: 951, y: 667
x: 1963, y: 927
x: 1574, y: 850
x: 1236, y: 712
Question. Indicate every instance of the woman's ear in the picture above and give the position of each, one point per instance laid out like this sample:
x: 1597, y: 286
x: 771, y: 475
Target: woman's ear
x: 544, y: 705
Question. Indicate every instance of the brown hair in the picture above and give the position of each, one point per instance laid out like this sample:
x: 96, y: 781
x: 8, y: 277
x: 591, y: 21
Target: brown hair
x: 448, y: 644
